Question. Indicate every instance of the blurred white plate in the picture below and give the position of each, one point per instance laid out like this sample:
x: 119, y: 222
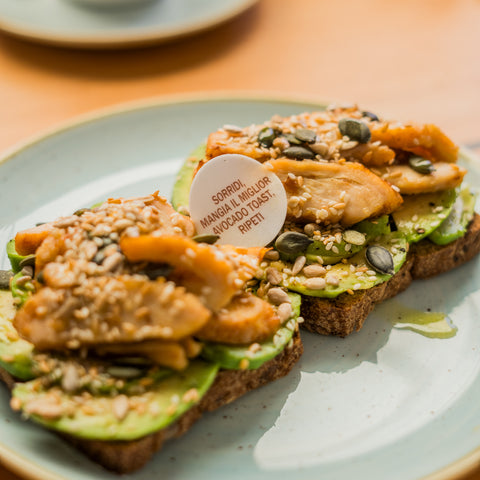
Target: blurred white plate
x: 380, y: 404
x: 74, y: 23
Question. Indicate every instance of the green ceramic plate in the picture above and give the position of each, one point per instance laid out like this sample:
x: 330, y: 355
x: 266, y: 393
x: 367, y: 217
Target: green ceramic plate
x: 382, y: 403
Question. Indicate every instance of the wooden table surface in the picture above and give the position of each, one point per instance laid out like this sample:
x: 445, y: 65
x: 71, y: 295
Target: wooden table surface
x: 409, y: 59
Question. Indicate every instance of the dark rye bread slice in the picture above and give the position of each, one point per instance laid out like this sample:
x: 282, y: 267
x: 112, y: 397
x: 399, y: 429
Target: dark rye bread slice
x: 128, y: 456
x: 347, y: 313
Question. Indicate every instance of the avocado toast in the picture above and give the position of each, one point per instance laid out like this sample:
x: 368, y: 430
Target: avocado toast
x: 120, y: 328
x: 372, y: 205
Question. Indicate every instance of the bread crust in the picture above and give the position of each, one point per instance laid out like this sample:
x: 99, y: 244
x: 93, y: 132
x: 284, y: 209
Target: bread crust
x: 128, y: 456
x: 347, y: 313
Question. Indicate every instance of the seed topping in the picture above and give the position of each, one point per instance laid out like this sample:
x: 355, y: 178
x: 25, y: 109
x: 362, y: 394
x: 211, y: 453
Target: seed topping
x: 380, y: 259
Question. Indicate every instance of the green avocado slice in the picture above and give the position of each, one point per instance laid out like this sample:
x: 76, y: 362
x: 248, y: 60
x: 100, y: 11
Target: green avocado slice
x: 181, y: 187
x: 21, y: 292
x: 15, y: 353
x: 394, y: 242
x: 14, y: 257
x: 456, y: 224
x: 370, y: 229
x: 232, y: 357
x: 120, y: 417
x: 421, y: 214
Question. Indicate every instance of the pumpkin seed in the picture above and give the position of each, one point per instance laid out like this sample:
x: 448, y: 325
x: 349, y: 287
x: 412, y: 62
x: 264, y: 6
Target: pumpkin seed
x: 5, y: 276
x: 28, y: 261
x: 133, y: 361
x: 371, y: 116
x: 124, y: 372
x: 292, y: 139
x: 40, y: 278
x: 354, y: 129
x: 292, y: 242
x: 305, y: 135
x: 380, y: 259
x: 155, y: 270
x: 421, y: 165
x: 80, y: 211
x: 99, y: 257
x: 354, y: 237
x: 266, y: 137
x: 298, y: 153
x: 206, y: 238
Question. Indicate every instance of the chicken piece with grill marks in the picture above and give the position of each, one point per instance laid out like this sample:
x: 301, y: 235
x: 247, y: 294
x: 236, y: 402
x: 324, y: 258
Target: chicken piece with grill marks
x: 338, y: 192
x: 110, y: 310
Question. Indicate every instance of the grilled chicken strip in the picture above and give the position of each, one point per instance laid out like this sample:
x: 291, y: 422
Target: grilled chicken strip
x: 343, y: 192
x: 427, y: 141
x: 445, y: 176
x: 215, y: 275
x: 244, y: 320
x: 105, y: 310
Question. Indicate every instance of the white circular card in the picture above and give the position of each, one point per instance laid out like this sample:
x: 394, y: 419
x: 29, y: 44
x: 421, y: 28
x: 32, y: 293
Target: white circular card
x: 238, y: 199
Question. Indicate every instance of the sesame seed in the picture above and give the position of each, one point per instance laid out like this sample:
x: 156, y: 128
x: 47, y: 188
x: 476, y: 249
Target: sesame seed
x: 191, y: 395
x: 244, y: 363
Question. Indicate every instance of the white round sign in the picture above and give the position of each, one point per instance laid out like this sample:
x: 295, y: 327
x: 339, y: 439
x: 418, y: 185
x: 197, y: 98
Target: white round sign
x: 238, y: 199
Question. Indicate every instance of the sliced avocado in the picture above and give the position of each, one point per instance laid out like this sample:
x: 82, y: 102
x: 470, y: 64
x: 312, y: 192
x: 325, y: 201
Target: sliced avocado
x: 181, y: 187
x: 421, y: 214
x: 347, y: 276
x: 21, y: 292
x: 119, y: 417
x: 456, y: 224
x: 15, y: 353
x: 369, y: 228
x: 319, y: 249
x: 14, y: 257
x: 374, y: 227
x: 233, y: 358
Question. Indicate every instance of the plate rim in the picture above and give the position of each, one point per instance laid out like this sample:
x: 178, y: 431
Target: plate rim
x: 26, y: 467
x: 118, y: 41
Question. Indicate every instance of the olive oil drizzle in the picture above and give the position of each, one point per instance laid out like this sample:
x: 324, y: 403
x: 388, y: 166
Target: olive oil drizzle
x: 428, y: 324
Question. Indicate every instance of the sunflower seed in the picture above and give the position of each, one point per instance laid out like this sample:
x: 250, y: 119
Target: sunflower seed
x: 299, y: 264
x: 315, y: 283
x: 277, y: 296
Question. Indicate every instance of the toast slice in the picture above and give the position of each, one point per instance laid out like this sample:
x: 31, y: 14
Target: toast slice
x: 347, y: 313
x: 128, y: 456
